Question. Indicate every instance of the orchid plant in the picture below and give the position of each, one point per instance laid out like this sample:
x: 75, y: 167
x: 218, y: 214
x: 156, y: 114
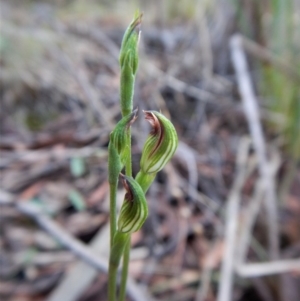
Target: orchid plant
x: 159, y: 148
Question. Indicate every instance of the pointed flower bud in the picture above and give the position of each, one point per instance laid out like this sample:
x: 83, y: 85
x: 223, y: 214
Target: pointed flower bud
x: 129, y: 63
x: 129, y: 47
x: 161, y: 143
x: 118, y: 135
x: 117, y: 148
x: 134, y: 210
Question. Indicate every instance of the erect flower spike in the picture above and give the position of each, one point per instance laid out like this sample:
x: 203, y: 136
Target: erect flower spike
x: 130, y: 43
x: 134, y: 210
x: 129, y: 63
x: 161, y: 143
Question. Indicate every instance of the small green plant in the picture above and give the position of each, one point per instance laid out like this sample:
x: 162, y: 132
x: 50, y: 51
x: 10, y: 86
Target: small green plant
x: 158, y: 150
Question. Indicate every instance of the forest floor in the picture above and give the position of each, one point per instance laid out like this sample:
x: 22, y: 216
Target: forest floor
x: 221, y: 216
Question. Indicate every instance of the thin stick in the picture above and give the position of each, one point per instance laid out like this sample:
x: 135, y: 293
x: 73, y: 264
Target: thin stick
x: 68, y: 241
x: 206, y: 275
x: 252, y: 212
x: 252, y: 113
x: 183, y: 87
x: 72, y: 284
x: 268, y: 268
x: 227, y: 269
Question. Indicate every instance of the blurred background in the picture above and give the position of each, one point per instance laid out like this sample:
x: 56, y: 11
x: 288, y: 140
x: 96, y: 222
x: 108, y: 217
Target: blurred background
x: 229, y: 198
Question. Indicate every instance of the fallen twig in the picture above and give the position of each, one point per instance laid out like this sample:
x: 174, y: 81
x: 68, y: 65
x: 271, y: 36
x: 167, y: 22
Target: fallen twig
x: 182, y: 87
x: 252, y: 113
x: 252, y: 212
x: 227, y: 269
x: 58, y: 154
x: 71, y: 243
x: 268, y: 268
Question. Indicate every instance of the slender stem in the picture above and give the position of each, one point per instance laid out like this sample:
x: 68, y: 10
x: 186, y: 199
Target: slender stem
x: 128, y: 63
x: 120, y: 242
x: 114, y: 167
x: 126, y: 259
x: 112, y: 281
x: 128, y: 164
x: 145, y: 180
x: 126, y: 255
x: 113, y: 211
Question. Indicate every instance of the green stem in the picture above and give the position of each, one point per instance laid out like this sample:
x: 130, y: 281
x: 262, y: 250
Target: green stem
x: 128, y: 164
x: 126, y: 259
x: 113, y: 211
x: 128, y: 63
x: 112, y: 281
x: 126, y: 255
x: 114, y: 168
x: 145, y: 180
x: 120, y: 241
